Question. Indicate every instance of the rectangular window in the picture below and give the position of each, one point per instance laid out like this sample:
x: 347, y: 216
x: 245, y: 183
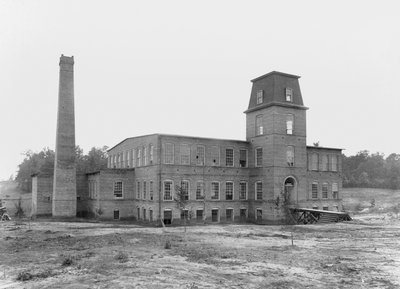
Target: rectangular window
x: 109, y: 162
x: 289, y: 124
x: 259, y: 157
x: 199, y: 215
x: 290, y: 156
x: 258, y: 214
x: 145, y: 157
x: 325, y: 163
x: 243, y: 214
x: 215, y: 155
x: 118, y: 189
x: 184, y: 214
x: 243, y: 191
x: 314, y: 190
x: 259, y: 191
x: 185, y: 154
x: 138, y: 190
x: 215, y: 191
x: 229, y: 215
x: 168, y: 190
x: 200, y: 154
x: 139, y: 158
x: 144, y: 190
x: 144, y: 214
x: 325, y: 208
x: 229, y: 157
x: 229, y: 191
x: 169, y: 153
x: 324, y: 190
x: 151, y: 215
x: 133, y: 159
x: 151, y: 190
x: 335, y: 191
x: 214, y: 215
x: 199, y: 190
x: 185, y: 189
x: 243, y: 158
x: 128, y: 159
x: 260, y: 96
x: 151, y: 150
x: 314, y: 162
x: 138, y: 213
x: 289, y: 94
x: 259, y: 125
x: 116, y: 214
x: 334, y: 163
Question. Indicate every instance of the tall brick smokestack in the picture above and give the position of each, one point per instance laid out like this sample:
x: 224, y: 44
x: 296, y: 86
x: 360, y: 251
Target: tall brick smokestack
x: 64, y: 188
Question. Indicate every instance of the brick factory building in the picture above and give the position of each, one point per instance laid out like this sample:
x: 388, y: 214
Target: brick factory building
x: 223, y: 180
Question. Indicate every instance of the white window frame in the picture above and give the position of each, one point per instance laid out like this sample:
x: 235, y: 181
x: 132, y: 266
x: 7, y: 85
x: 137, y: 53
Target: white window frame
x: 171, y: 190
x: 199, y: 161
x: 183, y: 160
x: 290, y: 149
x: 324, y: 185
x: 139, y: 157
x: 289, y: 94
x: 169, y: 156
x: 260, y: 96
x: 334, y: 163
x: 247, y: 158
x: 233, y: 190
x: 233, y: 157
x: 202, y: 191
x: 212, y: 191
x: 233, y: 214
x: 256, y: 190
x: 145, y: 157
x: 289, y: 124
x: 188, y: 188
x: 215, y: 155
x: 240, y: 190
x: 257, y: 164
x: 259, y: 124
x: 312, y: 192
x: 122, y: 189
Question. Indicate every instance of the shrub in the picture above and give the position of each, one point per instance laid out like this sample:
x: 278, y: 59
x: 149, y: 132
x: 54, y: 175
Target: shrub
x: 121, y: 257
x: 24, y: 276
x: 67, y: 261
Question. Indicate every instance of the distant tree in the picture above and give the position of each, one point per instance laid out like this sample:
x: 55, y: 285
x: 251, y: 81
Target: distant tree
x: 43, y: 162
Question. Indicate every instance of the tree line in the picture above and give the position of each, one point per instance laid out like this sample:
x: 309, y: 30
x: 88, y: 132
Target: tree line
x: 43, y: 162
x: 361, y: 170
x: 371, y: 170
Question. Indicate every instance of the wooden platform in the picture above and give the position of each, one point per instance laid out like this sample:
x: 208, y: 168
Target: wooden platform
x: 311, y: 216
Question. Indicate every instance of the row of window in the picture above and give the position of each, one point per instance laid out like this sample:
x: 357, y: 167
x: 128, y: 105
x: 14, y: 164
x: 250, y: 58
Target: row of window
x: 200, y: 151
x: 260, y: 124
x: 215, y: 214
x: 142, y: 188
x: 215, y: 190
x: 323, y: 162
x: 324, y: 194
x: 288, y: 95
x: 138, y: 157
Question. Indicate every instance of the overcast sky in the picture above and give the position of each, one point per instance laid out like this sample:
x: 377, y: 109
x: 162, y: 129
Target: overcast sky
x: 184, y: 67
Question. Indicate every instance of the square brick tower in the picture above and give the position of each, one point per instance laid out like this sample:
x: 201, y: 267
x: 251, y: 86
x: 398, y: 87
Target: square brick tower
x: 64, y: 186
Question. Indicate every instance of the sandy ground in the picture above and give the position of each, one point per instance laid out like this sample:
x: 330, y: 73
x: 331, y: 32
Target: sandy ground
x: 364, y: 253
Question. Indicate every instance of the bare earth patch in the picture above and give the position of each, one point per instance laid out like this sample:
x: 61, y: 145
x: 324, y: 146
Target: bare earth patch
x: 358, y: 254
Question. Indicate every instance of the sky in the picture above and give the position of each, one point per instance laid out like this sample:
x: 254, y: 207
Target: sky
x: 184, y: 67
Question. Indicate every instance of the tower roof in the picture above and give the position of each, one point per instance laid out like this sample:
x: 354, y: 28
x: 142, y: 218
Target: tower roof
x: 273, y: 88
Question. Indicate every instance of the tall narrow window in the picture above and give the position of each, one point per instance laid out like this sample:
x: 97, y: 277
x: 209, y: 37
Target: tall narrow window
x: 243, y: 191
x: 259, y: 125
x: 289, y: 94
x: 167, y: 190
x: 109, y: 162
x: 145, y: 157
x: 259, y: 157
x: 151, y: 190
x: 151, y: 150
x: 325, y: 163
x: 123, y: 160
x: 215, y: 191
x: 335, y: 191
x: 185, y: 189
x: 229, y: 157
x: 324, y: 190
x: 314, y: 190
x: 144, y: 190
x: 259, y: 191
x: 128, y: 159
x: 138, y: 190
x: 185, y: 154
x: 215, y: 155
x: 290, y: 156
x: 200, y: 191
x: 260, y: 96
x: 169, y: 153
x: 229, y: 191
x: 133, y: 159
x: 200, y: 154
x: 118, y: 187
x: 139, y: 158
x: 314, y: 162
x: 115, y: 161
x: 289, y: 124
x: 334, y: 163
x: 243, y: 158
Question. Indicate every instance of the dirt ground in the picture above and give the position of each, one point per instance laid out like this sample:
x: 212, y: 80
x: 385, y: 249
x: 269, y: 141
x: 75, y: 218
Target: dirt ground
x: 363, y: 253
